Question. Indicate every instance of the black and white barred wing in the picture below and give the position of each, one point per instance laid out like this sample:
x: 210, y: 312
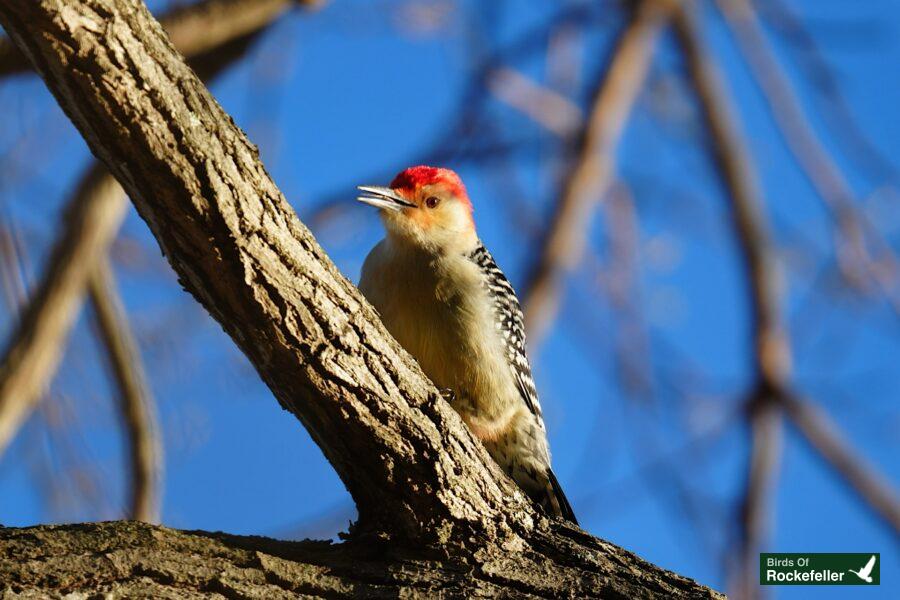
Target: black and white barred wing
x: 510, y: 323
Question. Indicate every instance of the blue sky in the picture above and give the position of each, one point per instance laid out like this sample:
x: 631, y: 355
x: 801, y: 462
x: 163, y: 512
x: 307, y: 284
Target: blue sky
x: 352, y: 92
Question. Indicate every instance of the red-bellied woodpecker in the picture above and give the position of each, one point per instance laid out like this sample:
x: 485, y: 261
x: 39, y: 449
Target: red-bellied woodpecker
x: 442, y: 296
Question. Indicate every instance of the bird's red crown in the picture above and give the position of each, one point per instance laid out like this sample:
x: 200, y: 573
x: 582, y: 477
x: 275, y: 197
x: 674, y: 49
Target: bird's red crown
x: 414, y: 178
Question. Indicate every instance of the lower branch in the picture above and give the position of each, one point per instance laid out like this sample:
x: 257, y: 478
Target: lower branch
x: 129, y: 559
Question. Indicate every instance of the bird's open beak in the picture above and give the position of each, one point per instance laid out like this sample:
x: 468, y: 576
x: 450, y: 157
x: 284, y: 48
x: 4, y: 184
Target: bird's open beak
x: 383, y: 197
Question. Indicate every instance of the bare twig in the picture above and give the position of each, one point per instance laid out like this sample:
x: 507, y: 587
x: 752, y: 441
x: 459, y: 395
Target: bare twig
x: 591, y: 175
x: 64, y: 477
x: 11, y: 276
x: 820, y: 169
x: 137, y: 406
x: 36, y: 347
x: 564, y: 59
x: 825, y: 438
x: 620, y: 282
x: 771, y: 351
x: 551, y: 110
x: 859, y: 148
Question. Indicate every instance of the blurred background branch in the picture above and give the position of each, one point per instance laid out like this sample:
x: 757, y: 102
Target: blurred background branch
x: 136, y: 404
x: 31, y: 357
x: 856, y: 234
x: 825, y: 437
x: 213, y: 34
x: 769, y: 351
x: 591, y: 174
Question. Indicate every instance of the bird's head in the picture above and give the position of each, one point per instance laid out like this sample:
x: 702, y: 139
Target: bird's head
x: 426, y: 207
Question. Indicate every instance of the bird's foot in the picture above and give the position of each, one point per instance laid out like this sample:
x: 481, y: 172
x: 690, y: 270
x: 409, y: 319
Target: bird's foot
x: 448, y: 395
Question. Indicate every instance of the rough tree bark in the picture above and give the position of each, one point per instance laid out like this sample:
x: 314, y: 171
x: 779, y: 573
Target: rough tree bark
x: 436, y: 515
x: 195, y: 29
x: 130, y: 559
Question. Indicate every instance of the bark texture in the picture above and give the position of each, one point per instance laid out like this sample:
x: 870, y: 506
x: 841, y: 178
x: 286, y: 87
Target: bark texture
x: 195, y: 29
x: 130, y: 559
x: 433, y: 506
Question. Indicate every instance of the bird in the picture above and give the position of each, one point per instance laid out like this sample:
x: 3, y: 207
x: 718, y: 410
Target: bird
x: 866, y: 572
x: 442, y: 296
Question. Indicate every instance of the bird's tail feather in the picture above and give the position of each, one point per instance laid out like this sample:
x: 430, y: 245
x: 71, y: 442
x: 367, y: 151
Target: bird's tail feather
x: 556, y: 500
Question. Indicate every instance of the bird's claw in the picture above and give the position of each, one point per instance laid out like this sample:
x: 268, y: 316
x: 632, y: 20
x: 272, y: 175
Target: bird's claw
x: 448, y: 395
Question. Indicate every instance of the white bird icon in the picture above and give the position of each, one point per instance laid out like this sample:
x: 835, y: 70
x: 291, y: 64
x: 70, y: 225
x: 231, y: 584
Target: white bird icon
x: 866, y: 572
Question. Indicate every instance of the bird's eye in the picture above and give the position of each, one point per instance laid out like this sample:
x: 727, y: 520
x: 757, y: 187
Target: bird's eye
x: 432, y: 201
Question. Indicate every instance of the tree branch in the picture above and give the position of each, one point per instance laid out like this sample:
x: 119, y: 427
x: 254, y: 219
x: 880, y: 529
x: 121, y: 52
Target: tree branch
x: 824, y: 437
x: 544, y: 106
x: 136, y: 404
x: 592, y: 173
x: 620, y: 279
x: 195, y: 29
x: 36, y: 346
x: 820, y: 168
x: 127, y: 559
x: 770, y: 349
x: 772, y: 356
x: 834, y: 104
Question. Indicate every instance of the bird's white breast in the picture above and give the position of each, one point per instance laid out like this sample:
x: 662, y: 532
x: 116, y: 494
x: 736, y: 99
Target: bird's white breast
x: 439, y: 311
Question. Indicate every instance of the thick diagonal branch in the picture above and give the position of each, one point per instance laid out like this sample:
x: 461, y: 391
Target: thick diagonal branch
x: 592, y: 173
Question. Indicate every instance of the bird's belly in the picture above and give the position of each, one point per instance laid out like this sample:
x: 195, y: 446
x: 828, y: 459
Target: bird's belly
x: 430, y: 332
x: 457, y: 348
